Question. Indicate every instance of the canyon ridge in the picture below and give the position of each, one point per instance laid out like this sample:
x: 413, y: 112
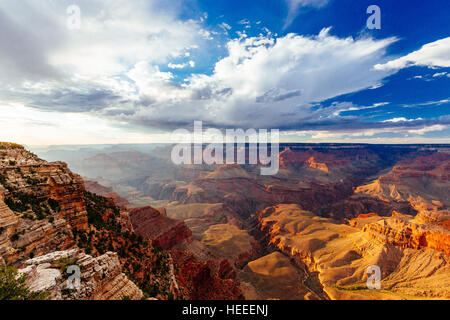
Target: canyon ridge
x: 139, y: 227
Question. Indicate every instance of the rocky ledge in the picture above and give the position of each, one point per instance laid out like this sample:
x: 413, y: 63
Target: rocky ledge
x: 156, y: 226
x: 101, y: 278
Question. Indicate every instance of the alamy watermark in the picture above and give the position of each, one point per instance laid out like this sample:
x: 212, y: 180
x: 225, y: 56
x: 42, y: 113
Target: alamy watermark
x: 241, y: 146
x: 374, y: 277
x: 74, y: 280
x: 73, y: 17
x: 374, y: 20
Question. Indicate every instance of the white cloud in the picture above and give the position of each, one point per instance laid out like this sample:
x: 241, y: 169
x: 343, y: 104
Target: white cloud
x: 439, y: 74
x: 295, y: 5
x: 206, y: 34
x: 401, y: 119
x: 181, y: 65
x: 225, y: 26
x: 30, y: 126
x: 337, y: 108
x: 110, y: 71
x: 107, y: 44
x: 176, y: 66
x: 375, y: 135
x: 265, y: 82
x: 436, y: 127
x: 376, y: 86
x: 434, y: 54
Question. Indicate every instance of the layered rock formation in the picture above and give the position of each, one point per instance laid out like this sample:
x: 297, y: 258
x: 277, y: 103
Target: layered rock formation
x: 97, y: 188
x: 420, y: 182
x: 7, y: 217
x: 309, y: 232
x: 50, y: 222
x: 206, y: 280
x: 161, y: 230
x: 27, y: 176
x: 407, y: 234
x: 338, y: 255
x: 100, y: 278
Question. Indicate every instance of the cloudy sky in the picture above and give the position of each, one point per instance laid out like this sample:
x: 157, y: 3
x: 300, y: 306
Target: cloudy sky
x: 133, y: 71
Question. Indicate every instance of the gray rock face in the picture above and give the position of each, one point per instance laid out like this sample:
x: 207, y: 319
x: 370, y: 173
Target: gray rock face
x: 40, y: 278
x: 99, y: 278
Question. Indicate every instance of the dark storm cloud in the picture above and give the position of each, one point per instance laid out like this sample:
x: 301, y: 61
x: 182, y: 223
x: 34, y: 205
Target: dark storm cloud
x: 347, y: 124
x: 67, y: 100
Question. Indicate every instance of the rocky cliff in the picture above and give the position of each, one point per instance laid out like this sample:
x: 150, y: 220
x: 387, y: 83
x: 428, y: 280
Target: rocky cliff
x: 162, y: 231
x: 407, y: 234
x: 107, y: 192
x: 309, y: 232
x: 100, y: 278
x: 41, y: 188
x: 48, y: 222
x: 414, y: 260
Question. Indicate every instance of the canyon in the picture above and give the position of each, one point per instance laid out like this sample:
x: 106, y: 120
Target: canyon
x: 225, y: 231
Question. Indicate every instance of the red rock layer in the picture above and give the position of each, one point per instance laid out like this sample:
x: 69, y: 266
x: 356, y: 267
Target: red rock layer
x: 206, y: 280
x: 97, y: 188
x: 55, y: 181
x: 161, y: 230
x: 408, y: 235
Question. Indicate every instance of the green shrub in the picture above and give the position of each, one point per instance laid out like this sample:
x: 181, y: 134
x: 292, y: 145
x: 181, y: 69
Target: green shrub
x: 13, y: 287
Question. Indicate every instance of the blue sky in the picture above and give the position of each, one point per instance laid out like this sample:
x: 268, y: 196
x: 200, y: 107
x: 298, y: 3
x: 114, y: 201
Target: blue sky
x: 134, y: 71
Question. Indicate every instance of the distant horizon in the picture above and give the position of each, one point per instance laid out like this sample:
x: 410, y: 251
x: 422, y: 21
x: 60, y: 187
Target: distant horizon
x: 281, y: 143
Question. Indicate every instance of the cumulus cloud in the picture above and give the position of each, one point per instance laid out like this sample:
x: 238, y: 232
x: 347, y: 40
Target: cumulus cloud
x: 116, y: 70
x: 181, y: 65
x: 265, y: 81
x: 434, y: 54
x: 48, y: 66
x: 35, y: 42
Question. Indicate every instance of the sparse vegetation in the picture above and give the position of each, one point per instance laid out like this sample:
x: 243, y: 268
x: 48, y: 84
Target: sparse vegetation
x: 13, y: 287
x: 97, y: 208
x: 23, y: 202
x: 10, y: 145
x: 64, y: 263
x: 3, y: 179
x: 352, y: 287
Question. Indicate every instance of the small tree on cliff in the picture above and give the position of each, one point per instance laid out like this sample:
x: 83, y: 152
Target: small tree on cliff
x: 13, y: 287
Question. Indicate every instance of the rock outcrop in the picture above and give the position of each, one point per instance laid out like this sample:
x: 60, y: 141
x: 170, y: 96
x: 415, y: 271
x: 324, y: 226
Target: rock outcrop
x: 7, y: 217
x: 406, y: 234
x: 338, y: 255
x: 97, y: 188
x: 309, y: 232
x: 50, y: 224
x: 161, y: 230
x: 29, y: 175
x: 100, y: 278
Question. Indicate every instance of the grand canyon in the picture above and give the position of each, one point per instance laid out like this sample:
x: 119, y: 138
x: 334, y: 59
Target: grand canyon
x: 140, y: 227
x: 227, y: 159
